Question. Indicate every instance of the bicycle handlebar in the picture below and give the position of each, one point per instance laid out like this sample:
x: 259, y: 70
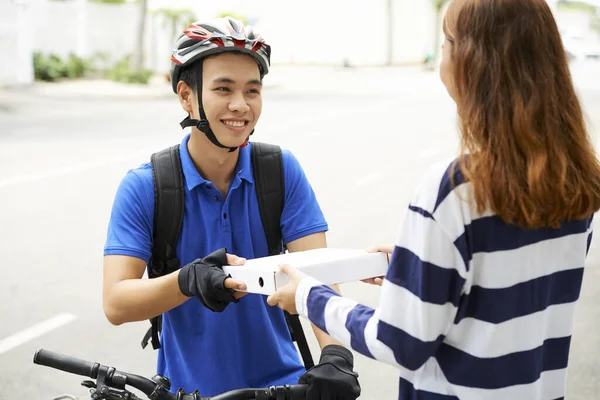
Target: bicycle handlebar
x: 89, y: 369
x: 66, y: 363
x: 157, y: 389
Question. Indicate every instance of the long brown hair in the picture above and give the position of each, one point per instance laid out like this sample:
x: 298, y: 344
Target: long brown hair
x: 530, y: 158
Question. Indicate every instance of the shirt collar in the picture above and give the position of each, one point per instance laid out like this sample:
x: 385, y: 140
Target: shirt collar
x: 244, y: 164
x: 243, y: 168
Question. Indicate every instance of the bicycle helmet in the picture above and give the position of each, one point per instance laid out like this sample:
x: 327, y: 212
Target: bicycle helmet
x: 206, y: 38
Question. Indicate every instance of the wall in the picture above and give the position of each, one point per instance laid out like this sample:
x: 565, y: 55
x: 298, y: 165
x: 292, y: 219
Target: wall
x: 16, y: 42
x: 315, y: 32
x: 322, y: 32
x: 414, y: 31
x: 62, y: 28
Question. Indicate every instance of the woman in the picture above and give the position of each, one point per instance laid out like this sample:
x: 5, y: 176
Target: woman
x: 479, y: 297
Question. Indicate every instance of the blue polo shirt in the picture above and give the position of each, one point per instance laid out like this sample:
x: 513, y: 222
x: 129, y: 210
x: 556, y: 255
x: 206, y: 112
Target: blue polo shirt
x: 248, y: 344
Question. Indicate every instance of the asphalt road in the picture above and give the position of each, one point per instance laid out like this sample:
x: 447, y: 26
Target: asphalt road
x: 363, y: 136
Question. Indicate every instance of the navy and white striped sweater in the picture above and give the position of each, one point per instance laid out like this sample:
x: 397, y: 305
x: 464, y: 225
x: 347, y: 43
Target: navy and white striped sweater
x: 471, y: 307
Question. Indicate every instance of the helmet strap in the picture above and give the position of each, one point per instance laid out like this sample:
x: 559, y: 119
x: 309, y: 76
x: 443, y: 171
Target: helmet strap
x: 203, y: 125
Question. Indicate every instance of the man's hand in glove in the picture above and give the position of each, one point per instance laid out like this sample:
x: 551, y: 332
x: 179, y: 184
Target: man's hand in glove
x: 333, y: 377
x: 204, y: 279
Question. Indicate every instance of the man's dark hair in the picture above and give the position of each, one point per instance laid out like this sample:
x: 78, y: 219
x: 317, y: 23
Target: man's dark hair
x: 189, y: 74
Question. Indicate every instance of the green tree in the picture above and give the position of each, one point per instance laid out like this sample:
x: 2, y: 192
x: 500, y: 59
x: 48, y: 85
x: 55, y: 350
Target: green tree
x: 176, y: 19
x: 570, y: 5
x: 137, y: 61
x: 102, y: 1
x: 237, y: 16
x: 595, y: 24
x: 110, y: 1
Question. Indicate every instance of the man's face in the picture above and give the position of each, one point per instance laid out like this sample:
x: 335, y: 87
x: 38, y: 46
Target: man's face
x: 231, y: 96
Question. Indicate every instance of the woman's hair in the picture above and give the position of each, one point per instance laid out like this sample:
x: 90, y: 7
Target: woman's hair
x: 530, y: 159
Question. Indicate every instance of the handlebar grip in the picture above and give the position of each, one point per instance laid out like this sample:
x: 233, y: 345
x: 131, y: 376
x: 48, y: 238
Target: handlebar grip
x: 298, y: 391
x: 65, y: 363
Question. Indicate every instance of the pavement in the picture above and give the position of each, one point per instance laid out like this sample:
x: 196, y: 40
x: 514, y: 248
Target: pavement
x: 364, y: 137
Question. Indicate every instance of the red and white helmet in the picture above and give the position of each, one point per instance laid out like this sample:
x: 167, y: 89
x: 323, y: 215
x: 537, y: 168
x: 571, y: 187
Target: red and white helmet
x: 205, y: 38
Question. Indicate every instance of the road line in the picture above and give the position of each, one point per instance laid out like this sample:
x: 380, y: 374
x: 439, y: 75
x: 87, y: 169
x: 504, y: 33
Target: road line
x: 35, y: 331
x: 51, y: 173
x: 66, y: 170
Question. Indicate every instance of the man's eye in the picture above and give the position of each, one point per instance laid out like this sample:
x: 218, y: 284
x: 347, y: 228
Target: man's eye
x: 222, y: 89
x: 255, y: 91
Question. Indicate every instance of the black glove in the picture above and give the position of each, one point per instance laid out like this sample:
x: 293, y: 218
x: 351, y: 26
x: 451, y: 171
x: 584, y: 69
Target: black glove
x: 204, y: 279
x: 332, y: 378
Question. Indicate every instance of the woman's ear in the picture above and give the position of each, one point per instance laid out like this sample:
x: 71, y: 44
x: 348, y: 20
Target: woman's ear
x: 185, y: 94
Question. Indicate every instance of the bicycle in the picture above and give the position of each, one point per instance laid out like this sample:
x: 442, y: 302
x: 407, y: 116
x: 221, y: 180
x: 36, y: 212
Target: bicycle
x: 111, y: 384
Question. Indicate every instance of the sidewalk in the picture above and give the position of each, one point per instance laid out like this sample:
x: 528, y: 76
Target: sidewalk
x: 89, y: 88
x: 297, y: 77
x: 158, y: 87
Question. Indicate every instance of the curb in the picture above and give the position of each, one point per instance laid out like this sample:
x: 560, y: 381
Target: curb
x: 90, y: 90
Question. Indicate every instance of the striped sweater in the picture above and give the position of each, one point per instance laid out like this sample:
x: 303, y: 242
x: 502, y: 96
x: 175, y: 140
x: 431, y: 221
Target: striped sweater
x: 471, y: 308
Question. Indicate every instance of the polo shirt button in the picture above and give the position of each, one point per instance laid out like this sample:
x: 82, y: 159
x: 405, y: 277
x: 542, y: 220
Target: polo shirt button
x: 208, y: 187
x: 225, y: 216
x: 217, y: 198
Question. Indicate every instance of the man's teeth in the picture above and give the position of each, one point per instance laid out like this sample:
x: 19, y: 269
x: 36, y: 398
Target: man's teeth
x: 235, y: 123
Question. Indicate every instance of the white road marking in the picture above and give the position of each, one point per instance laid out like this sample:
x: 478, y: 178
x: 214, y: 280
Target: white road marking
x: 35, y: 331
x: 51, y: 173
x: 69, y: 169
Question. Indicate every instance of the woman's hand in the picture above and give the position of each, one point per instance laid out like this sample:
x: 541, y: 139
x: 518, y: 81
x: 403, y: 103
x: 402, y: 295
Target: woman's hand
x: 285, y: 297
x: 386, y: 248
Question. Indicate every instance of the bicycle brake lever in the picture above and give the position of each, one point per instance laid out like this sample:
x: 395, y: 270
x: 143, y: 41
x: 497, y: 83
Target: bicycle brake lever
x: 181, y: 395
x: 109, y: 393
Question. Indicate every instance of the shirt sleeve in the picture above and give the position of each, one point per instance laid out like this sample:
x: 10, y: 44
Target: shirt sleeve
x: 130, y: 226
x: 418, y: 303
x: 302, y: 215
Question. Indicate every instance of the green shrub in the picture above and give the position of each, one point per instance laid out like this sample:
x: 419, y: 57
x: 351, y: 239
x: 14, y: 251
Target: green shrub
x: 77, y: 67
x: 48, y: 68
x: 121, y: 72
x: 51, y: 67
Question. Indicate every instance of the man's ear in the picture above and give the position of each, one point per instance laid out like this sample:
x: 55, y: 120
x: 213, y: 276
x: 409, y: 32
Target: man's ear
x: 185, y: 93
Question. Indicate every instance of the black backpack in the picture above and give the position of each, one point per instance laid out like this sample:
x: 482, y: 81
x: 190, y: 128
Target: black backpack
x: 168, y: 218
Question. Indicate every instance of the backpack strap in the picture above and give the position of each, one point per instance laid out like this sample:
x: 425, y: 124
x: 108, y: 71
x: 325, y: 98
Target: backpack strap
x: 267, y: 163
x: 169, y: 204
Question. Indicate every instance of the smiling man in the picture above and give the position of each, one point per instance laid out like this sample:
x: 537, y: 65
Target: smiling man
x: 219, y: 340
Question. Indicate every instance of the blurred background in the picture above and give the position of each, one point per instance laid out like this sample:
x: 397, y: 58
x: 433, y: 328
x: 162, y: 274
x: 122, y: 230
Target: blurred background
x: 353, y: 92
x: 129, y: 40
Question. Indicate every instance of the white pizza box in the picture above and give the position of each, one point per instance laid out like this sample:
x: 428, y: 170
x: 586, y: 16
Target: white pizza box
x: 330, y: 266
